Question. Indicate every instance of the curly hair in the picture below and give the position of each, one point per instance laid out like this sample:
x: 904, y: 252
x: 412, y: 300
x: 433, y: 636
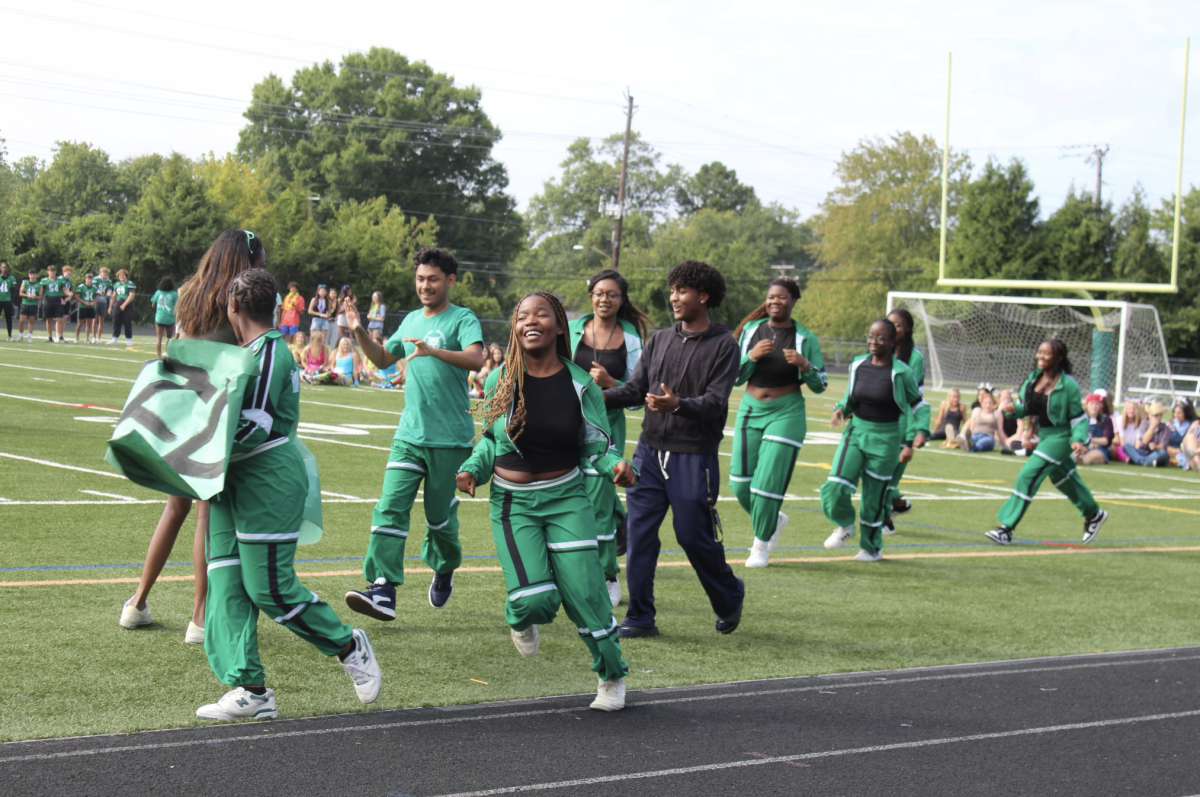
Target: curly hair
x: 512, y: 373
x: 433, y: 256
x: 701, y: 277
x: 254, y: 292
x: 628, y: 310
x: 790, y: 285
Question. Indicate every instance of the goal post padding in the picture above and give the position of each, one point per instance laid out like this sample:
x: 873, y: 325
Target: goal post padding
x: 970, y: 339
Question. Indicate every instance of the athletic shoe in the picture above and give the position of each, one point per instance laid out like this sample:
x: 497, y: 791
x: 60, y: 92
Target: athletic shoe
x: 610, y: 695
x: 194, y: 634
x: 61, y: 339
x: 839, y: 536
x: 729, y: 623
x: 377, y: 600
x: 526, y: 641
x: 49, y: 340
x: 1001, y: 536
x: 867, y: 556
x: 900, y: 506
x: 439, y: 590
x: 110, y: 342
x: 759, y: 553
x: 780, y: 525
x: 363, y: 669
x: 631, y: 631
x: 133, y: 617
x: 889, y: 525
x: 238, y: 704
x: 1092, y: 526
x: 964, y: 444
x: 614, y: 591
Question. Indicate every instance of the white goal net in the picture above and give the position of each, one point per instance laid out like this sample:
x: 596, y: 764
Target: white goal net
x: 966, y: 340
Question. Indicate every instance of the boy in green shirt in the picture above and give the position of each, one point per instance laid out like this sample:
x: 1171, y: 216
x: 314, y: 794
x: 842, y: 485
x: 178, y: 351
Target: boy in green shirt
x: 85, y: 295
x: 8, y: 294
x: 31, y: 293
x: 54, y: 288
x: 441, y: 345
x: 103, y: 291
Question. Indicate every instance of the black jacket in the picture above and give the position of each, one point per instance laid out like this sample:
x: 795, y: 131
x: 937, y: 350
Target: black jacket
x: 699, y: 368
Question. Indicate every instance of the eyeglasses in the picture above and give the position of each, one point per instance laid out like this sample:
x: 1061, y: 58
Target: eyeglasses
x: 878, y: 338
x: 250, y: 241
x: 612, y: 296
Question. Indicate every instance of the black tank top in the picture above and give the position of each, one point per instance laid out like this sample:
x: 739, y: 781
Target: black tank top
x: 613, y: 360
x: 550, y: 439
x: 874, y: 399
x: 774, y: 370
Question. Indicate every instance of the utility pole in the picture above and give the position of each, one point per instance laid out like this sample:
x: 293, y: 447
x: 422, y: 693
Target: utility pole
x: 616, y: 236
x: 1097, y: 157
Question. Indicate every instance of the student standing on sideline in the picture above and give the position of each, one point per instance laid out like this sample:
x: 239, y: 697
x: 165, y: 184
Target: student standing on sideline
x: 345, y: 296
x: 442, y: 344
x: 911, y: 356
x: 31, y: 293
x: 607, y: 343
x: 85, y: 297
x: 8, y: 294
x: 778, y: 355
x: 202, y: 310
x: 103, y: 297
x: 123, y: 292
x: 1051, y: 395
x: 68, y: 284
x: 883, y: 398
x: 53, y: 291
x: 376, y: 313
x: 164, y: 312
x: 544, y: 417
x: 293, y: 306
x: 694, y: 365
x: 320, y: 310
x: 254, y: 528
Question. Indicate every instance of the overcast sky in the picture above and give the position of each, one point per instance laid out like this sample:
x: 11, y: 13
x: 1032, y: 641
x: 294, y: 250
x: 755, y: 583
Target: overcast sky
x: 775, y: 90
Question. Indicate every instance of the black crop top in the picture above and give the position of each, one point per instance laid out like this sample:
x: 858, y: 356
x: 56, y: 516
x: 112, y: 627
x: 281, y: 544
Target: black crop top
x: 613, y: 360
x: 550, y: 439
x: 1038, y: 407
x: 874, y: 399
x: 774, y: 370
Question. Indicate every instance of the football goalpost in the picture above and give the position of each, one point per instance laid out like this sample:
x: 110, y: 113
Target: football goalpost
x: 968, y: 339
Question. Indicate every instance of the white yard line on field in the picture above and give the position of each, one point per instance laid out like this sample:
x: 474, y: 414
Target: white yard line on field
x: 40, y: 352
x: 60, y: 403
x: 341, y: 442
x: 349, y: 407
x: 341, y: 495
x: 109, y: 495
x: 64, y: 373
x: 60, y: 465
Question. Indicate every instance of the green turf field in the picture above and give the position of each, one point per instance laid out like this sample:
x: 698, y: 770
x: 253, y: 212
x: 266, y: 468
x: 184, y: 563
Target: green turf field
x: 73, y: 535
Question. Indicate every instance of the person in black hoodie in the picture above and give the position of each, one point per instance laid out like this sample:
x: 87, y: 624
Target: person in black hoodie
x: 684, y: 378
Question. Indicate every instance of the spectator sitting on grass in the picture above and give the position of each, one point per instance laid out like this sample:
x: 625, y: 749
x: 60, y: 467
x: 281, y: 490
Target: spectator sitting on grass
x: 297, y: 348
x: 1126, y: 429
x: 985, y: 427
x: 1100, y: 430
x: 1183, y: 422
x: 316, y: 358
x: 949, y: 418
x: 1150, y: 447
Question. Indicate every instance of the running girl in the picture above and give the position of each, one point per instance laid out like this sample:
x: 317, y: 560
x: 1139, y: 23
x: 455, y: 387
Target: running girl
x: 164, y: 312
x: 1050, y: 395
x: 254, y: 527
x: 883, y: 398
x: 85, y: 296
x: 607, y: 343
x: 911, y: 356
x: 544, y: 415
x: 778, y: 356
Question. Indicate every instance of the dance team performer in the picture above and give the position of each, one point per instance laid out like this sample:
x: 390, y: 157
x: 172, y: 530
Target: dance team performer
x: 911, y: 356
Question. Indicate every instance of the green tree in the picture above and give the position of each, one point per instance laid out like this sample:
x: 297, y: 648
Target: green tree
x: 1078, y: 240
x: 1179, y: 312
x: 379, y: 124
x: 80, y: 180
x: 996, y: 234
x: 714, y: 187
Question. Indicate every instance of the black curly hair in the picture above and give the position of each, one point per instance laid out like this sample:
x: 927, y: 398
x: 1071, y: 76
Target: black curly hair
x: 700, y: 276
x: 432, y: 256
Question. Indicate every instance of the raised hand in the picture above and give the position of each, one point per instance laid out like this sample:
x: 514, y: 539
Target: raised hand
x: 353, y: 320
x: 668, y: 402
x: 797, y: 359
x: 420, y: 348
x: 601, y: 376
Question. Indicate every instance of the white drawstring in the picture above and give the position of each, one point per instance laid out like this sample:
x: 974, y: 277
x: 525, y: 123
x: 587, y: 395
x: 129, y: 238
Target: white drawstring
x: 664, y: 457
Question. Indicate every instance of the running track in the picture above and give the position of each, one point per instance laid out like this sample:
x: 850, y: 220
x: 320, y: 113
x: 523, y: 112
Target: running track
x: 1125, y: 723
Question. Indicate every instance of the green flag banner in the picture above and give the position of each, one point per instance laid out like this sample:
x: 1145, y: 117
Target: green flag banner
x: 176, y: 430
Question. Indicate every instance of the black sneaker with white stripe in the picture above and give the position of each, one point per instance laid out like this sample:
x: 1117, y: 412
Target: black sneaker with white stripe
x: 1001, y: 536
x: 1092, y: 525
x: 377, y: 600
x: 440, y: 589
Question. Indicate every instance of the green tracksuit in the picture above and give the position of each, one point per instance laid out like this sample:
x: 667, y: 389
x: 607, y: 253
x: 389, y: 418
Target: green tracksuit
x: 432, y: 441
x: 1052, y: 457
x: 600, y: 489
x: 869, y: 451
x: 916, y: 363
x: 769, y: 434
x: 545, y: 532
x: 253, y: 528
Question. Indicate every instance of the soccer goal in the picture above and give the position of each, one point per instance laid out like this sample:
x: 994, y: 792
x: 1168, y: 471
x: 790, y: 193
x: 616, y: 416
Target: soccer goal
x: 967, y: 339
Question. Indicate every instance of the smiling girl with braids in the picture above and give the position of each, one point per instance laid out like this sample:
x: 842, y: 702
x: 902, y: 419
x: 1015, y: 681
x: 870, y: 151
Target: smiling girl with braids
x: 542, y: 419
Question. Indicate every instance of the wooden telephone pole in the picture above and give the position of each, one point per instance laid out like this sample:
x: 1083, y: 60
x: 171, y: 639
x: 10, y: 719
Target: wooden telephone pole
x: 616, y: 236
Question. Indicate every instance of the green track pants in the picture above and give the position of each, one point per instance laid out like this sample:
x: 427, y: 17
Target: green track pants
x: 545, y: 535
x: 608, y: 513
x: 1052, y: 458
x: 407, y: 467
x: 869, y: 451
x: 251, y: 569
x: 894, y: 484
x: 767, y: 437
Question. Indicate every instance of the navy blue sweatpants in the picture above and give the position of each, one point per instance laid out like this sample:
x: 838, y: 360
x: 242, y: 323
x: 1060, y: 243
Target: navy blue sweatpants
x: 685, y: 491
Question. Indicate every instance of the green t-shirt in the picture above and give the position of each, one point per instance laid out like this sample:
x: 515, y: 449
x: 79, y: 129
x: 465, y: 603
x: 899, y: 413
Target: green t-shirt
x: 29, y: 292
x: 164, y: 306
x: 8, y: 287
x: 122, y: 289
x: 55, y: 288
x: 103, y: 285
x: 436, y: 404
x: 86, y: 293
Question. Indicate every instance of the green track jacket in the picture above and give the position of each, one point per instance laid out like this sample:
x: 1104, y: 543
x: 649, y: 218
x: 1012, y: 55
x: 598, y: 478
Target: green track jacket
x: 809, y: 347
x: 914, y: 409
x: 1064, y: 406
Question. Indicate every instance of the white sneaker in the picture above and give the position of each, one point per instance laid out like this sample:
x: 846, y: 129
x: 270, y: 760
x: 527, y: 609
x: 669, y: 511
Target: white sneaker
x: 780, y: 525
x: 194, y: 634
x: 839, y: 536
x: 610, y: 695
x: 238, y: 704
x: 867, y: 556
x: 759, y: 553
x: 110, y: 342
x: 133, y: 617
x: 526, y: 641
x: 614, y: 592
x: 363, y: 669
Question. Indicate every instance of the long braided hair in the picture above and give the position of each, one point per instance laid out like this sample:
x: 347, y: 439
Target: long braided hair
x: 790, y: 285
x: 512, y: 373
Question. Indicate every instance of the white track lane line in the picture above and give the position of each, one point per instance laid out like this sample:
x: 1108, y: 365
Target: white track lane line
x: 879, y: 748
x: 50, y: 464
x: 109, y: 495
x: 341, y: 442
x: 59, y: 403
x: 66, y: 373
x: 828, y: 682
x: 40, y: 352
x: 349, y: 407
